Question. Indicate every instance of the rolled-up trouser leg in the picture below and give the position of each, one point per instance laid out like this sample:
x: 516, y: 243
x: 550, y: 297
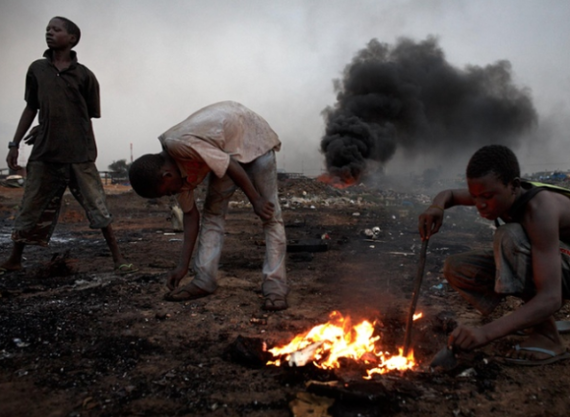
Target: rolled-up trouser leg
x: 472, y: 275
x: 41, y: 203
x: 263, y: 175
x: 86, y: 186
x: 211, y: 237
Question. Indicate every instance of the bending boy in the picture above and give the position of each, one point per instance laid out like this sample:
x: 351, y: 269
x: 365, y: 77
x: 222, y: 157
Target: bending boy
x: 238, y: 147
x: 66, y: 94
x: 529, y: 258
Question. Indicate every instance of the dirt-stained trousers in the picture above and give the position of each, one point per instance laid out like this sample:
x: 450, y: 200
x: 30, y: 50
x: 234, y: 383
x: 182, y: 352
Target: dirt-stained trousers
x: 263, y: 174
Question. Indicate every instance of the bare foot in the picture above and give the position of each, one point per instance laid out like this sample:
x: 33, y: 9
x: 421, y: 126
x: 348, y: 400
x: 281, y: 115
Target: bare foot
x: 125, y: 268
x: 14, y: 262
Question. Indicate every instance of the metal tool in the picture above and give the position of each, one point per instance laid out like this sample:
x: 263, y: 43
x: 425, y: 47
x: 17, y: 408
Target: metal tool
x: 445, y: 359
x: 415, y: 295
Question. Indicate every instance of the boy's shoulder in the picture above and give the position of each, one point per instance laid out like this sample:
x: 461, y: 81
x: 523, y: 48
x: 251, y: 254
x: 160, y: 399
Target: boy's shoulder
x: 42, y: 64
x: 532, y: 188
x: 45, y: 60
x: 531, y: 185
x: 84, y: 68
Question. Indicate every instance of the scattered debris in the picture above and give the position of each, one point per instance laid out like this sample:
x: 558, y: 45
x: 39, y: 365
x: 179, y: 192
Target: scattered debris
x: 305, y: 355
x: 13, y: 181
x: 110, y: 345
x: 176, y: 216
x: 258, y: 320
x: 302, y: 256
x: 248, y: 351
x: 59, y: 266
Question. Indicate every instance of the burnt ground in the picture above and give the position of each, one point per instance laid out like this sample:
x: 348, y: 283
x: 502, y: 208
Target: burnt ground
x: 79, y: 340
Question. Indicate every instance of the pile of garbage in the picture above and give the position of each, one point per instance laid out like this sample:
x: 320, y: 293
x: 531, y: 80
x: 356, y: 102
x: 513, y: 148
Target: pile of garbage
x: 303, y: 193
x: 312, y: 193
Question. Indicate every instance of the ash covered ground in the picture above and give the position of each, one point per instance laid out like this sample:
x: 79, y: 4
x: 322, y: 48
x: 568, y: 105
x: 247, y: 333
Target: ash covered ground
x: 79, y: 340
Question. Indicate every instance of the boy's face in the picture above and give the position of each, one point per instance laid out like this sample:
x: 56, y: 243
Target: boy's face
x: 57, y: 37
x: 492, y: 198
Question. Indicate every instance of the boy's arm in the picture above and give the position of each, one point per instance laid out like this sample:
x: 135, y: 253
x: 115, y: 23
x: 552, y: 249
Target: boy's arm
x: 541, y: 224
x: 431, y: 219
x: 26, y: 120
x: 191, y: 226
x: 261, y: 206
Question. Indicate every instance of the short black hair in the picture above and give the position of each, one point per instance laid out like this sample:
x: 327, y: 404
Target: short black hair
x: 497, y: 159
x: 144, y: 175
x: 71, y: 28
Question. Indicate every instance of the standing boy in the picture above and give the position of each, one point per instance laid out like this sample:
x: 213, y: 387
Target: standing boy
x: 530, y: 258
x: 236, y: 147
x: 66, y: 94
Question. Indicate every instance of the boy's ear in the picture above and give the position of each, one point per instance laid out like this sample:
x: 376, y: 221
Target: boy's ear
x: 73, y: 40
x: 515, y: 183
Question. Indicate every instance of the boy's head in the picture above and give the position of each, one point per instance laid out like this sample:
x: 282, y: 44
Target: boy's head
x: 153, y: 176
x: 496, y: 159
x: 493, y: 180
x: 62, y: 32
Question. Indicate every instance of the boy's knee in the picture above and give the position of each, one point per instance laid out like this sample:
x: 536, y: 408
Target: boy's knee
x: 450, y: 266
x: 458, y: 271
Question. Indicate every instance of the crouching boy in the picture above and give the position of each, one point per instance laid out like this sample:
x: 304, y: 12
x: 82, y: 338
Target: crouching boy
x: 530, y: 257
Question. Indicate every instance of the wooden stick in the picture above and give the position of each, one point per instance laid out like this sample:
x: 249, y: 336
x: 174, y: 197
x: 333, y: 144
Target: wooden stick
x: 415, y: 295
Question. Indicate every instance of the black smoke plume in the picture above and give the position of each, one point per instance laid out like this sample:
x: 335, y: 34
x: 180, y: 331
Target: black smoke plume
x: 408, y: 96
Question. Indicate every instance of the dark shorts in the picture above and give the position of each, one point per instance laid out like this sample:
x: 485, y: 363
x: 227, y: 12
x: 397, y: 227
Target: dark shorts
x: 45, y: 185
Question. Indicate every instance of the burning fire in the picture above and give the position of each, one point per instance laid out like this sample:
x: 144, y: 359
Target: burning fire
x: 337, y: 182
x: 325, y: 344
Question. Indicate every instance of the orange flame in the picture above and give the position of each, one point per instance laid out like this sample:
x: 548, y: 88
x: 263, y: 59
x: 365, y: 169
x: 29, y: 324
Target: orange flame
x: 327, y: 343
x: 337, y: 182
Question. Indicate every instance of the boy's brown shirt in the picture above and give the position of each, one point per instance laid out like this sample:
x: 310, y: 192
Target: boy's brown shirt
x: 66, y: 100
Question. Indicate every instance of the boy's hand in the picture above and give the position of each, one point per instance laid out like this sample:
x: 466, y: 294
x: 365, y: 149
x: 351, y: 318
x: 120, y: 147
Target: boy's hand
x: 12, y: 159
x: 467, y: 338
x: 430, y: 221
x: 174, y: 277
x: 263, y: 208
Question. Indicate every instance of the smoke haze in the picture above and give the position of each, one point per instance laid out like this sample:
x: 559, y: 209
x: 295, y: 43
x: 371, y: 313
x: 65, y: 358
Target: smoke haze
x: 157, y: 62
x: 409, y: 96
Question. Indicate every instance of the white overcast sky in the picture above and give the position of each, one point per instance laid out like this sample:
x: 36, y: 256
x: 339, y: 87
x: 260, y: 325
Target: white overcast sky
x: 157, y: 62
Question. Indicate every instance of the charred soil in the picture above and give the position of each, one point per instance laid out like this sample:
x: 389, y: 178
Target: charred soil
x: 78, y: 339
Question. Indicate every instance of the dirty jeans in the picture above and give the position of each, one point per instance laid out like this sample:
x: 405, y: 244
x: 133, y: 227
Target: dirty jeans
x: 484, y: 277
x: 43, y: 192
x: 263, y: 174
